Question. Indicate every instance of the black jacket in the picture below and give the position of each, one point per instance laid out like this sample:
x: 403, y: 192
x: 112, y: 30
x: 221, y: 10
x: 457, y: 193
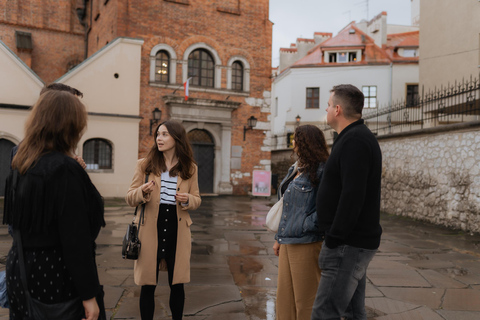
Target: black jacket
x: 55, y: 204
x: 348, y: 199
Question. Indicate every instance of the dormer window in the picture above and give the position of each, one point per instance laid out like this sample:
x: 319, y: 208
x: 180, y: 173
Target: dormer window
x: 342, y: 57
x: 409, y: 53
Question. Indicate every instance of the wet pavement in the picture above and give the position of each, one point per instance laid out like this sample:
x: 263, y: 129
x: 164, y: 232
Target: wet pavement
x: 420, y: 271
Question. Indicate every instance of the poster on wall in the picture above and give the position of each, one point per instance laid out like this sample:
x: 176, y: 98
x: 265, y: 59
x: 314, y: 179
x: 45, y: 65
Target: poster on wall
x: 261, y: 183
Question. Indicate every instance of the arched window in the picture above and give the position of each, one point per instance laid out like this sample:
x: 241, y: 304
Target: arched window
x: 201, y: 68
x: 162, y: 64
x: 237, y: 76
x: 97, y: 154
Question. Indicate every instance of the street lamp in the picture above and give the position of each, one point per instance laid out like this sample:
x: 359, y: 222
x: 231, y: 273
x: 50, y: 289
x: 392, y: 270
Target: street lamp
x: 298, y: 118
x: 156, y: 115
x: 251, y: 122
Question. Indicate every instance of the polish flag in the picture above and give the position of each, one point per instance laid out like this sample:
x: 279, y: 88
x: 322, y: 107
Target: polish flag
x: 185, y: 86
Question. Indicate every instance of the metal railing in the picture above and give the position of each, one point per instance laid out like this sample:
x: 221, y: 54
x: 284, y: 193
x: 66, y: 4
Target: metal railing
x: 456, y: 103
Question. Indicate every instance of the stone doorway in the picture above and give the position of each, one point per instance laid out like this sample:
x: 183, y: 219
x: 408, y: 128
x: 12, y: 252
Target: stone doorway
x: 204, y: 153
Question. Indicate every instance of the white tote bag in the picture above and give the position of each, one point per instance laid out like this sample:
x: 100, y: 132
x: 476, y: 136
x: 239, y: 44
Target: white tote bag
x: 274, y: 216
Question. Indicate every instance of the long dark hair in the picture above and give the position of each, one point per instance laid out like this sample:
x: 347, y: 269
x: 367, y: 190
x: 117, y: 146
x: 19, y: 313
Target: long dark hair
x: 56, y: 123
x: 155, y: 162
x: 311, y: 149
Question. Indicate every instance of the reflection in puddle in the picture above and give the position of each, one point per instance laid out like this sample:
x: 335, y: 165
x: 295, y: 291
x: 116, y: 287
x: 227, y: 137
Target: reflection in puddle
x: 270, y: 307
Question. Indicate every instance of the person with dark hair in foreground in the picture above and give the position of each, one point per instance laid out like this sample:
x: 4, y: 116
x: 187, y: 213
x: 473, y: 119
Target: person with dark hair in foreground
x: 348, y: 209
x: 51, y: 203
x: 299, y: 240
x: 171, y: 190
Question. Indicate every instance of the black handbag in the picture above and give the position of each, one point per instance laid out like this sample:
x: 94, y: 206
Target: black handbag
x: 68, y: 310
x: 131, y: 243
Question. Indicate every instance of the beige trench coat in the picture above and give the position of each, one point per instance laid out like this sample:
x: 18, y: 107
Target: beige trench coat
x: 144, y: 270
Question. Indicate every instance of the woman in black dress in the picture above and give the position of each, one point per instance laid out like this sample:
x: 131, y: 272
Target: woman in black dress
x: 50, y: 199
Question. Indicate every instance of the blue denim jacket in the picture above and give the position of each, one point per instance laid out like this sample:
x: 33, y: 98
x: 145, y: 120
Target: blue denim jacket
x: 299, y: 217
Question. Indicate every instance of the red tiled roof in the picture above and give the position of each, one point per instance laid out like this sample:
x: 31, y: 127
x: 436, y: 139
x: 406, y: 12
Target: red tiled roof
x: 345, y: 40
x: 406, y: 39
x: 402, y: 40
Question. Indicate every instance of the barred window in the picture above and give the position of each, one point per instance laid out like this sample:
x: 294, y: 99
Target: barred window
x: 97, y: 154
x: 412, y: 95
x: 162, y: 63
x: 201, y: 68
x: 237, y: 76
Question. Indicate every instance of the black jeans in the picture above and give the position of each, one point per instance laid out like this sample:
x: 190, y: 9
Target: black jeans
x: 167, y: 241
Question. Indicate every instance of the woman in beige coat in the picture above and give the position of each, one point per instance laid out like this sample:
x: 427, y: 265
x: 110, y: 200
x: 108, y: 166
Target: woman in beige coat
x: 171, y: 190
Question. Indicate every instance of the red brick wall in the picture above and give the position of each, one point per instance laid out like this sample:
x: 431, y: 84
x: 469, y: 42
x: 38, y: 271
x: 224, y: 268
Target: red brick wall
x: 57, y: 35
x: 231, y: 29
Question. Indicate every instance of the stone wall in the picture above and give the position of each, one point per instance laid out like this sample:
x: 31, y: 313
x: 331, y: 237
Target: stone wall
x: 434, y: 175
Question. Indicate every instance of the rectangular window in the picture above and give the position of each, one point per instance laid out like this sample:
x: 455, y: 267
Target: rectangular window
x: 370, y: 93
x: 412, y: 95
x: 342, y: 57
x: 313, y: 97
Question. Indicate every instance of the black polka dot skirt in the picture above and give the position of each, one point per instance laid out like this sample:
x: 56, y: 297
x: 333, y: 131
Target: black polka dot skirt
x: 48, y: 279
x: 167, y: 231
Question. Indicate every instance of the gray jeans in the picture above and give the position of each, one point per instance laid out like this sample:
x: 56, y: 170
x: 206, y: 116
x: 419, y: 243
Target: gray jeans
x: 343, y: 282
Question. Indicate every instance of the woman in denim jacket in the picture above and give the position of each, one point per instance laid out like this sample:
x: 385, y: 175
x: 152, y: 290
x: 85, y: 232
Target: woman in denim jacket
x: 298, y: 240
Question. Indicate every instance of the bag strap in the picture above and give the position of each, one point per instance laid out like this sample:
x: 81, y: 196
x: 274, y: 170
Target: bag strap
x: 142, y: 214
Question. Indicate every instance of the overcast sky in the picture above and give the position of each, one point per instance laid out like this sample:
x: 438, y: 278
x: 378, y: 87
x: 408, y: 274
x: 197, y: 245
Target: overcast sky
x: 294, y: 19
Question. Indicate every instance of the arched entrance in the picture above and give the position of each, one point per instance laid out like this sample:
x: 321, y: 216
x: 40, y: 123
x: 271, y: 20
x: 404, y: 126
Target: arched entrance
x: 5, y: 150
x: 204, y: 153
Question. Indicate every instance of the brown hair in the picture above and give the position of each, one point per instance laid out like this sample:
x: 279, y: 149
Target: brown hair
x: 350, y: 98
x: 56, y: 123
x: 61, y: 87
x: 155, y: 162
x: 311, y: 149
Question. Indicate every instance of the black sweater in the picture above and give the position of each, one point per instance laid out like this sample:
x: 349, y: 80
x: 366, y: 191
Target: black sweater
x: 348, y: 198
x: 55, y: 204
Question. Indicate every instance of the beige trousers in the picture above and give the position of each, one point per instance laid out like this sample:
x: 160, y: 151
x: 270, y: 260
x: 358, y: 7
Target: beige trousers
x: 298, y: 279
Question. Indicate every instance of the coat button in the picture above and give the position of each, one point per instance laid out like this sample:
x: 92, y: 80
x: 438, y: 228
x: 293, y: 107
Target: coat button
x: 180, y: 219
x: 303, y: 188
x: 167, y: 210
x: 288, y: 190
x: 165, y: 230
x: 166, y: 220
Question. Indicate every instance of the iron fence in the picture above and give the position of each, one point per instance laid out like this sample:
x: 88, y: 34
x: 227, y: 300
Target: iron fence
x: 455, y: 103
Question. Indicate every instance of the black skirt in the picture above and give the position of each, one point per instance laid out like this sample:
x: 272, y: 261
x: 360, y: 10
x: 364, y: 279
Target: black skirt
x: 167, y: 231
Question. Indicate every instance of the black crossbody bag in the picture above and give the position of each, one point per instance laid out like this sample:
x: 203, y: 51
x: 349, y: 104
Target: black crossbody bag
x: 131, y: 243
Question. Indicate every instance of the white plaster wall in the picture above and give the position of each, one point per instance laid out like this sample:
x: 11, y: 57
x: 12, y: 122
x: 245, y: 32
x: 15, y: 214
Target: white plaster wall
x: 450, y: 51
x: 290, y: 88
x: 434, y: 177
x: 403, y: 74
x: 12, y: 124
x: 103, y: 92
x: 18, y: 84
x: 122, y: 133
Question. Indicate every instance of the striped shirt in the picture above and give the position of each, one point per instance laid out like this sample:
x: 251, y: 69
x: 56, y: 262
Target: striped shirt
x: 168, y: 188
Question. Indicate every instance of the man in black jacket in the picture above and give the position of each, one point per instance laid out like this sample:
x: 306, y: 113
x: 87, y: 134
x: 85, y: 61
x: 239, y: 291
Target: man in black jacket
x: 348, y: 208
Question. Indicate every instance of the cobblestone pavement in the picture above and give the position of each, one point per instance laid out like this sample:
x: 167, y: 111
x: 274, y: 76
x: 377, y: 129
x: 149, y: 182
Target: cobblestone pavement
x: 420, y: 271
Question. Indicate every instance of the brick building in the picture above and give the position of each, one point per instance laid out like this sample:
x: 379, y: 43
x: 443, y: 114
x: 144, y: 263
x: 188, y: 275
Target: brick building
x: 223, y: 47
